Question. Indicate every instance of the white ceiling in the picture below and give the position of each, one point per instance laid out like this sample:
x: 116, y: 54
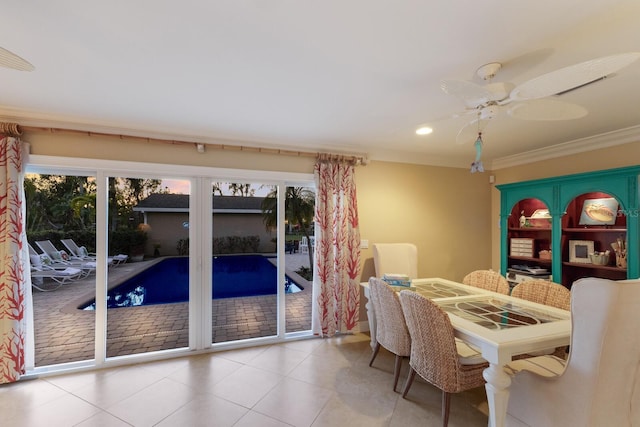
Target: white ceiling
x: 352, y: 76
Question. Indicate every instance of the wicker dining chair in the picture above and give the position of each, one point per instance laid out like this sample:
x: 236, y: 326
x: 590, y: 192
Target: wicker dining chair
x: 434, y: 351
x: 391, y: 328
x: 547, y: 293
x: 543, y: 292
x: 489, y: 280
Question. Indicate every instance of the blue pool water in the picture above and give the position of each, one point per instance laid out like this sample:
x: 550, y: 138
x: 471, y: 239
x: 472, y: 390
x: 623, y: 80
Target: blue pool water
x: 168, y: 281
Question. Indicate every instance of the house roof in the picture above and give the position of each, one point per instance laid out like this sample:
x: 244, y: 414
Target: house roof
x: 180, y: 203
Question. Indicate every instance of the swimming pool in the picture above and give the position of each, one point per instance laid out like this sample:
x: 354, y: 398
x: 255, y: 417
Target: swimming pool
x: 168, y: 281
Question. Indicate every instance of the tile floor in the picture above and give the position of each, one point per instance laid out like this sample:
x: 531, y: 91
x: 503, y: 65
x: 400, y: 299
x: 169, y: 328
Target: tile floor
x: 314, y: 382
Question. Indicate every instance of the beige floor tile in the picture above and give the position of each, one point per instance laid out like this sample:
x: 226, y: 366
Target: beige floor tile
x: 206, y: 410
x: 356, y: 411
x: 65, y: 410
x: 321, y: 370
x: 294, y: 402
x: 246, y: 386
x: 243, y: 355
x: 76, y: 380
x: 255, y: 419
x: 152, y: 404
x: 305, y: 345
x: 424, y: 402
x: 117, y: 386
x: 103, y: 419
x: 205, y: 371
x: 28, y: 395
x: 278, y: 359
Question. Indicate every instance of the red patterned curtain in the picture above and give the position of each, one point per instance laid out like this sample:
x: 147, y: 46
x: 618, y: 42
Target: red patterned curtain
x: 336, y: 289
x: 12, y: 257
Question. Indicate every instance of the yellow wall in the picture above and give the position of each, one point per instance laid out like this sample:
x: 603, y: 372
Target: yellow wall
x: 444, y: 211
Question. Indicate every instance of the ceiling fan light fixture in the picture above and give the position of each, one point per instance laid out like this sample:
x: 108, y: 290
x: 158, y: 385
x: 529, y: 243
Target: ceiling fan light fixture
x: 488, y: 71
x: 424, y: 130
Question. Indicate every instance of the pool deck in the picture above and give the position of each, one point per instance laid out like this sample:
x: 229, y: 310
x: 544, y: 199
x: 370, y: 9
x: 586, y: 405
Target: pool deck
x: 64, y: 333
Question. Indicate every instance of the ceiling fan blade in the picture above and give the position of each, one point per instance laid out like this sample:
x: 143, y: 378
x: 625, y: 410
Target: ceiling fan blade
x: 572, y: 77
x: 11, y: 60
x: 546, y: 109
x: 469, y: 132
x: 470, y: 93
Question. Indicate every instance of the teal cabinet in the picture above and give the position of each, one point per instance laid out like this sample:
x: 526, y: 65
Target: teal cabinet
x: 571, y: 225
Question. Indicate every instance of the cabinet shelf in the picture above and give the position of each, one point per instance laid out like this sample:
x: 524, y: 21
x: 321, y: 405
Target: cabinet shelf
x: 530, y: 259
x: 533, y: 229
x: 595, y: 267
x: 594, y: 230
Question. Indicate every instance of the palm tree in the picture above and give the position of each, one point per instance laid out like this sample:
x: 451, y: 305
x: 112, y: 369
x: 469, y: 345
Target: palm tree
x: 300, y: 203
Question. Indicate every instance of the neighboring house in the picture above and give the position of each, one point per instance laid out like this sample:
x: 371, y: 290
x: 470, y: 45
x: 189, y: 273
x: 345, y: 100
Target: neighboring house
x: 167, y: 216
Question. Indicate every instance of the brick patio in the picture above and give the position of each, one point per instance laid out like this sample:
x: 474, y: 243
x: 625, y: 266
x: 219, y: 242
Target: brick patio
x: 64, y: 333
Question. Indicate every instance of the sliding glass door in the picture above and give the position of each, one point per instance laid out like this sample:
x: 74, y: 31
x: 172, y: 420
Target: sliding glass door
x: 155, y: 263
x: 61, y: 208
x: 244, y: 263
x: 148, y: 273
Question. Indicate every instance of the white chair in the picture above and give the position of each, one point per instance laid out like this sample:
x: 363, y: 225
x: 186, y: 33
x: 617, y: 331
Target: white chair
x: 401, y: 258
x: 600, y: 385
x: 303, y: 246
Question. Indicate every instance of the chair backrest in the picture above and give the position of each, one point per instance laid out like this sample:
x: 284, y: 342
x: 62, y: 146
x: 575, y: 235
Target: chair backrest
x: 52, y: 252
x: 433, y: 349
x: 399, y: 258
x: 32, y: 251
x: 487, y: 279
x: 71, y: 246
x: 543, y: 292
x: 601, y: 383
x: 391, y: 328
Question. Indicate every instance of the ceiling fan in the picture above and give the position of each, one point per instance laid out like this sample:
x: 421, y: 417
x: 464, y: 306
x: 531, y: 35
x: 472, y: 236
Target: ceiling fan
x: 528, y: 100
x: 11, y: 60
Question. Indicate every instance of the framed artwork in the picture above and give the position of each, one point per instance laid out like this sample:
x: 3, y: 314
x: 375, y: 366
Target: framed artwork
x: 579, y: 251
x: 599, y: 211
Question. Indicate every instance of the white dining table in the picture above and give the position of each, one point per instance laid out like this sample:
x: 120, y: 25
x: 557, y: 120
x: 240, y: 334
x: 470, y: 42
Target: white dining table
x: 500, y: 326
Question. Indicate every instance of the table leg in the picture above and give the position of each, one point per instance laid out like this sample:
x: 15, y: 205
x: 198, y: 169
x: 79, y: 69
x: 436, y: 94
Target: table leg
x: 497, y: 388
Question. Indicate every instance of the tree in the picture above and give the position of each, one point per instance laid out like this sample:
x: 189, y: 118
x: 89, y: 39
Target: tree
x: 300, y: 203
x: 241, y: 189
x: 50, y: 201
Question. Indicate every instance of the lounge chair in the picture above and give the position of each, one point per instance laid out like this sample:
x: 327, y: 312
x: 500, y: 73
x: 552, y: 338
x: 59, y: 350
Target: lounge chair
x: 77, y: 252
x: 58, y: 258
x: 81, y: 253
x: 59, y: 276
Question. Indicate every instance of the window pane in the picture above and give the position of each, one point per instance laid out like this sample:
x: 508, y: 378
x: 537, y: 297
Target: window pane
x: 148, y: 295
x: 61, y: 208
x: 244, y: 279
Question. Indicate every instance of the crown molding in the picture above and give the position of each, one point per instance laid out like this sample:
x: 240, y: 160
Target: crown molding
x: 590, y: 143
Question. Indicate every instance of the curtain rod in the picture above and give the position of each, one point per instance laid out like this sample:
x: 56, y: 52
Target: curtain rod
x: 358, y: 160
x: 11, y: 129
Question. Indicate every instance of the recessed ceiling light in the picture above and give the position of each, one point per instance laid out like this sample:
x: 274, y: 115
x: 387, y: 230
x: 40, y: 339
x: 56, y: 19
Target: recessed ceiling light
x: 424, y: 130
